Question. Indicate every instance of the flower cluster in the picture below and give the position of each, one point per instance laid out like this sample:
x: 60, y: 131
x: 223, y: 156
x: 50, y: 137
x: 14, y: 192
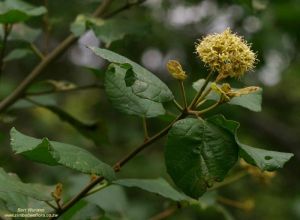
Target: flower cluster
x: 226, y: 53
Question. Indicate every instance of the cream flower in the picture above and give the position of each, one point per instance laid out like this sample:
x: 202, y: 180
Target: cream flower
x: 226, y: 53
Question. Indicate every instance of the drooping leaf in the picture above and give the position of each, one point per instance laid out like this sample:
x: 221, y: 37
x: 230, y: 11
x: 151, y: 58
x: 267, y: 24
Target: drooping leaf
x: 146, y: 85
x: 13, y: 11
x: 197, y: 154
x: 124, y: 100
x: 250, y: 101
x: 158, y: 186
x: 55, y: 153
x: 264, y: 159
x: 10, y: 186
x: 116, y: 29
x: 17, y: 54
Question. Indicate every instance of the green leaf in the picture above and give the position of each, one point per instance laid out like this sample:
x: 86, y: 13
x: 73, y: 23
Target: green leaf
x: 82, y: 23
x: 111, y: 199
x: 197, y: 154
x: 78, y: 27
x: 264, y: 159
x: 158, y: 186
x: 55, y: 153
x: 17, y: 54
x: 13, y: 11
x: 10, y: 185
x: 251, y: 101
x: 22, y: 32
x: 147, y: 85
x: 116, y: 29
x: 124, y: 100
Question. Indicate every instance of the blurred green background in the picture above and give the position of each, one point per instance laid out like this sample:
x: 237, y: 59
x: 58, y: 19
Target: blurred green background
x: 163, y: 30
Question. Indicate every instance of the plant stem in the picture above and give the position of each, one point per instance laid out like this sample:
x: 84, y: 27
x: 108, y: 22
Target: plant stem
x: 165, y: 213
x: 178, y: 106
x: 52, y: 206
x: 46, y: 27
x: 183, y: 93
x: 37, y: 51
x: 58, y: 204
x: 229, y: 180
x: 146, y: 134
x: 96, y: 189
x: 123, y: 8
x: 208, y: 108
x: 202, y: 97
x: 199, y: 94
x: 6, y: 31
x: 199, y: 103
x: 78, y: 88
x: 232, y: 203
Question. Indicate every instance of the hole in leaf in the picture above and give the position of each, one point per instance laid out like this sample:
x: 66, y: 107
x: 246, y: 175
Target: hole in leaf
x: 268, y: 157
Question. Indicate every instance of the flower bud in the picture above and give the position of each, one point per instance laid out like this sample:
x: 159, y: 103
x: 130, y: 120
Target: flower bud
x: 175, y: 69
x: 58, y: 191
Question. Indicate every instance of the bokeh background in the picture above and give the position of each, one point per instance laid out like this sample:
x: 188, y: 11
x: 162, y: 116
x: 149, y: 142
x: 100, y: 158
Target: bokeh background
x: 163, y: 30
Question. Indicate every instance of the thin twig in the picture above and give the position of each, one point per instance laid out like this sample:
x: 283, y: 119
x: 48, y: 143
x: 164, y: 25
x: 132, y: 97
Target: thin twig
x: 243, y: 205
x: 57, y: 201
x: 183, y: 93
x: 165, y: 213
x: 37, y: 51
x: 208, y: 108
x: 199, y: 94
x: 6, y: 31
x: 201, y: 103
x: 229, y: 180
x: 178, y: 106
x: 123, y: 8
x: 94, y: 190
x: 52, y: 206
x: 78, y: 88
x: 46, y: 27
x: 202, y: 97
x: 146, y: 134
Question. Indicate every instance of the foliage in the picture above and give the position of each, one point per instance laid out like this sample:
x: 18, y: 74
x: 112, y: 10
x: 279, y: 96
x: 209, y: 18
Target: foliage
x: 202, y: 153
